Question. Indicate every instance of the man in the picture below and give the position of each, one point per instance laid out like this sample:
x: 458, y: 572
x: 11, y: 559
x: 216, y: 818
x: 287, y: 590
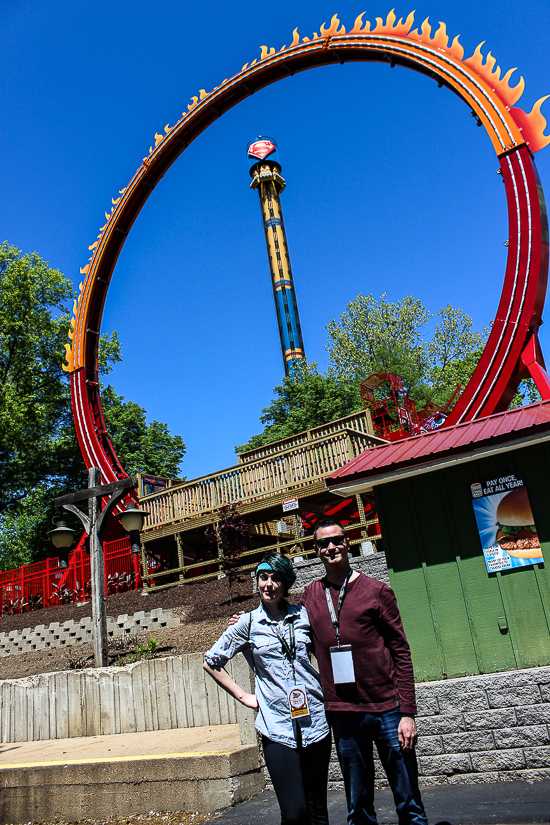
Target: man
x: 367, y: 679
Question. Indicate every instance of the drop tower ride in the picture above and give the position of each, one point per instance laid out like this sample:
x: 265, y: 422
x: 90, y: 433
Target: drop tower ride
x: 265, y: 171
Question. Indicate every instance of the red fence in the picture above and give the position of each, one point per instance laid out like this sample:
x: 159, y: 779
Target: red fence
x: 44, y: 584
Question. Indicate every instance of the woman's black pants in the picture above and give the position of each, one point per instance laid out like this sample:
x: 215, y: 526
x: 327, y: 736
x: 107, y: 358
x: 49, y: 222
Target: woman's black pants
x: 300, y: 777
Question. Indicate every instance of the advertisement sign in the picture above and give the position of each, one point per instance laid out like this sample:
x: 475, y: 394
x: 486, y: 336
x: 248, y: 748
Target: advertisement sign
x: 505, y: 523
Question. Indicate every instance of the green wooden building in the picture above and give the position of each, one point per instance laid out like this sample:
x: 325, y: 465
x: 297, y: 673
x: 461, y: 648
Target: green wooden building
x: 459, y: 618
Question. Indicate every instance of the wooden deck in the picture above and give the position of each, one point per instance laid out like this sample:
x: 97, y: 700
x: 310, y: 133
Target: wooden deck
x: 258, y: 484
x: 279, y: 475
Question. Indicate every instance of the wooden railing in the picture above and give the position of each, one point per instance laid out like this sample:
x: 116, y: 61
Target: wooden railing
x: 288, y: 469
x: 300, y: 547
x: 359, y: 422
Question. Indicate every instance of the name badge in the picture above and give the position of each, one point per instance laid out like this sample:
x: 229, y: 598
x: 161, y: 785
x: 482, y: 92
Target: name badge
x: 297, y: 702
x: 342, y: 665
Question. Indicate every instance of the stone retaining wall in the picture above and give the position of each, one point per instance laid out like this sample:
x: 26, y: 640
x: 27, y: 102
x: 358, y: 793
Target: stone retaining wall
x: 156, y: 694
x: 75, y: 633
x: 309, y: 570
x: 488, y: 728
x: 485, y: 728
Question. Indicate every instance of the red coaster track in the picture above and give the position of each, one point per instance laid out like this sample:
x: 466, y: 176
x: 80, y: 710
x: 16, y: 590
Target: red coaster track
x: 512, y: 350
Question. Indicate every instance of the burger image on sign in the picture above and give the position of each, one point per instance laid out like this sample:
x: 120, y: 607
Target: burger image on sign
x: 517, y: 534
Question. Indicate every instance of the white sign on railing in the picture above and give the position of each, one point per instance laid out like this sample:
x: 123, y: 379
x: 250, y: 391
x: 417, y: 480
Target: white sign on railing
x: 290, y: 504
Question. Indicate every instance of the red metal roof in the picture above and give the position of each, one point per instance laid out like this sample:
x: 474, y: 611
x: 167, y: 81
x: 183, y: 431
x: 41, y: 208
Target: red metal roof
x: 449, y: 441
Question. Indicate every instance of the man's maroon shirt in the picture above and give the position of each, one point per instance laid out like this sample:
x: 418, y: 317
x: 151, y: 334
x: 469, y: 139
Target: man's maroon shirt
x: 371, y: 624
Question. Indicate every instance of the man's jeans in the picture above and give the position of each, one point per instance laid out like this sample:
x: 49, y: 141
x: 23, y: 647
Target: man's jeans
x: 354, y: 733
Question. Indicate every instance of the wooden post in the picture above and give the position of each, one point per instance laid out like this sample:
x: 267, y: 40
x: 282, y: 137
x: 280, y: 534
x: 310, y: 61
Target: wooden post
x: 362, y: 518
x: 97, y: 565
x: 288, y: 471
x: 349, y: 442
x: 144, y: 568
x: 181, y: 560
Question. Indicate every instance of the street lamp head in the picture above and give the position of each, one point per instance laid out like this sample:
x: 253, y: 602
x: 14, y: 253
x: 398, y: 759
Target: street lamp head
x: 62, y: 538
x: 132, y: 518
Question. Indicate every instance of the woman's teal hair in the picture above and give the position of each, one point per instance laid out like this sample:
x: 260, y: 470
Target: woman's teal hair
x: 280, y: 565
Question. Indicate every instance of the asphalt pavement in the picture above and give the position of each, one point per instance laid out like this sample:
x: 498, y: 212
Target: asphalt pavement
x: 503, y: 803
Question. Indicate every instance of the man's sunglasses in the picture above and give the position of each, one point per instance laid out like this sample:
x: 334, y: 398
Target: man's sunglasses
x: 338, y: 541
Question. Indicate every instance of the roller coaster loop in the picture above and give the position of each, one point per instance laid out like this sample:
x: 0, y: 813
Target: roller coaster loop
x: 512, y: 350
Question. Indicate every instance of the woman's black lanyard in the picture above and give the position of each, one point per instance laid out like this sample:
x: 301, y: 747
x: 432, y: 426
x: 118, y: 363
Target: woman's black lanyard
x: 288, y: 647
x: 335, y: 618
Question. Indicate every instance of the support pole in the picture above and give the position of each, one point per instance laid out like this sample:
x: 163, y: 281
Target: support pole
x: 94, y: 523
x: 97, y: 570
x: 181, y: 559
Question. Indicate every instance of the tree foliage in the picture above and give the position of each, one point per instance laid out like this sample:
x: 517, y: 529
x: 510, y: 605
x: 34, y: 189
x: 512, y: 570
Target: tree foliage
x: 308, y: 399
x: 378, y: 335
x: 34, y: 320
x: 375, y: 335
x: 141, y: 447
x: 39, y: 453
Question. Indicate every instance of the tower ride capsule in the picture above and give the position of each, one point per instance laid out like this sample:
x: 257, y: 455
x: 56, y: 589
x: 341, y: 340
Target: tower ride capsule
x: 265, y: 171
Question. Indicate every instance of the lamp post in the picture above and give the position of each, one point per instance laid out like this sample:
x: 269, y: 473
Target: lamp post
x: 132, y: 519
x: 94, y: 524
x: 62, y: 538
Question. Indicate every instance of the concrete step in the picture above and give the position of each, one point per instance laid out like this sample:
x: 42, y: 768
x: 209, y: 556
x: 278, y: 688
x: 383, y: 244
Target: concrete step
x: 192, y: 769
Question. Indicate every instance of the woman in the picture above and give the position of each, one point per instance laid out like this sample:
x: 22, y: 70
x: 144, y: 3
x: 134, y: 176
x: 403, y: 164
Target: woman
x: 275, y: 638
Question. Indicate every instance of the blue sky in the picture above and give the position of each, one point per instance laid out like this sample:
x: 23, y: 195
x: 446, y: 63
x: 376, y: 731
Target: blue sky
x: 391, y: 187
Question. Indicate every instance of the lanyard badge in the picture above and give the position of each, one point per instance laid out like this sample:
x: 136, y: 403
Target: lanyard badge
x: 341, y: 656
x: 296, y: 695
x: 342, y: 665
x: 297, y: 702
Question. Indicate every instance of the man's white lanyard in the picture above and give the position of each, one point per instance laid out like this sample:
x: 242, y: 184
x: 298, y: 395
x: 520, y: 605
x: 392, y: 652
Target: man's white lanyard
x: 341, y: 656
x: 335, y: 618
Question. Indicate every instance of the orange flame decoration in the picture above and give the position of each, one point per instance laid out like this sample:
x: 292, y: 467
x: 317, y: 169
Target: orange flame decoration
x: 333, y: 28
x: 531, y: 125
x: 84, y: 271
x: 507, y: 94
x: 68, y: 367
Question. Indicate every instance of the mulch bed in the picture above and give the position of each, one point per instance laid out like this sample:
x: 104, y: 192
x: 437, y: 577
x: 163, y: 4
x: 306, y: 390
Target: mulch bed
x: 212, y: 598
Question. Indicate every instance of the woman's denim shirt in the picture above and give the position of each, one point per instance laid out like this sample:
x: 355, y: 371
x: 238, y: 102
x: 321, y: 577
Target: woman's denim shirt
x: 254, y: 634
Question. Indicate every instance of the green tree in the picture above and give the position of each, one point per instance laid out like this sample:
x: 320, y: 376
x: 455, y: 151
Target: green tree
x: 23, y: 529
x: 141, y: 447
x: 527, y: 393
x: 34, y: 320
x: 39, y: 453
x: 378, y: 335
x: 308, y: 399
